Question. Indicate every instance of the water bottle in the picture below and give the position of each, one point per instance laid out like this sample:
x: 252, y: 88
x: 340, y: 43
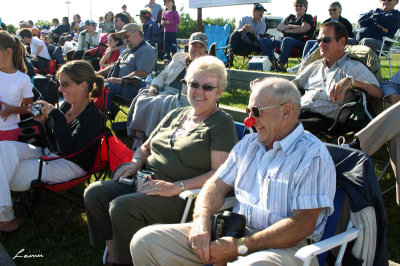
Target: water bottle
x: 148, y: 80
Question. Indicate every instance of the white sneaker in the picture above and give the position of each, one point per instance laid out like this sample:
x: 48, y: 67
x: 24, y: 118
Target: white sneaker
x: 293, y: 70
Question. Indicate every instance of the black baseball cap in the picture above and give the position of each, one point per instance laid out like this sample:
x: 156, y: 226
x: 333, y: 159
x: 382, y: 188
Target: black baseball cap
x: 259, y: 7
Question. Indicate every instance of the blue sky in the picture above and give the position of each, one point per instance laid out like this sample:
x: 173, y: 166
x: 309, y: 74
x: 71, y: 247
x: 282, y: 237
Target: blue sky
x: 13, y: 11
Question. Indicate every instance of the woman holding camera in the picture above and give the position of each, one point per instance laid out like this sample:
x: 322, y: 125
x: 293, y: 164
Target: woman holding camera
x: 183, y: 151
x: 73, y: 126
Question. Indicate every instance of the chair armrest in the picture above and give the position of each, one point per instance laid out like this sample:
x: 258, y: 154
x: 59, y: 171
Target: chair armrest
x: 308, y: 252
x: 191, y: 193
x: 387, y: 39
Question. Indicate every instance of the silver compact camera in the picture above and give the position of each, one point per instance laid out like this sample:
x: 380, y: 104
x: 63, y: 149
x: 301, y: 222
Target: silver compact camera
x: 36, y: 109
x: 141, y: 177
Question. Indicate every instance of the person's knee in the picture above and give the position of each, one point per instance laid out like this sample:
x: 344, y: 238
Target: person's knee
x: 92, y: 193
x: 140, y: 241
x: 118, y: 209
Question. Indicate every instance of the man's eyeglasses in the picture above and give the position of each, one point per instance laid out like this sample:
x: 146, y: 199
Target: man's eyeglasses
x: 325, y: 40
x: 332, y: 9
x: 256, y: 110
x: 195, y: 85
x: 386, y: 0
x: 299, y: 5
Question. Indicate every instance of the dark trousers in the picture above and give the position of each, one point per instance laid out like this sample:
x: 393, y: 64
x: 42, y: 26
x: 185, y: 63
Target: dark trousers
x: 315, y: 122
x: 242, y: 47
x: 41, y: 63
x: 169, y: 40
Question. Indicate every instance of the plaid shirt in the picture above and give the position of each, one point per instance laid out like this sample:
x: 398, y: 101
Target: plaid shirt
x: 317, y: 80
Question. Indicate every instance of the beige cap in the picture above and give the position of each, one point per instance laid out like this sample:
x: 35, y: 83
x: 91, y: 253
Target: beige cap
x: 133, y: 27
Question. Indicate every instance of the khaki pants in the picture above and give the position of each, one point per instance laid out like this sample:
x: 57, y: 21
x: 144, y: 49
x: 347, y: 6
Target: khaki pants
x: 169, y: 245
x: 384, y: 128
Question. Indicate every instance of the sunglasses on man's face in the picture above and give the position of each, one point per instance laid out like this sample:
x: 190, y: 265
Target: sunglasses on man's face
x: 196, y: 85
x: 325, y: 40
x: 332, y: 9
x: 256, y: 110
x: 298, y: 5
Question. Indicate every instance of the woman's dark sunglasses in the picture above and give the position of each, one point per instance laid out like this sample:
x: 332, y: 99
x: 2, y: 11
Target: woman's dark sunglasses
x: 196, y: 85
x: 332, y: 9
x: 325, y: 40
x: 256, y: 110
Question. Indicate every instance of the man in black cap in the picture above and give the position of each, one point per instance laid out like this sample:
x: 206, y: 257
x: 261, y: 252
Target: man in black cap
x: 246, y: 37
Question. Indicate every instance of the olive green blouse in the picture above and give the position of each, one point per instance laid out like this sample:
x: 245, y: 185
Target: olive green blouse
x: 188, y: 155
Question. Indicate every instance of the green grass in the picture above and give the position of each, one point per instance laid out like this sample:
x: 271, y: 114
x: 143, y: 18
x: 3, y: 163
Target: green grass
x: 72, y: 246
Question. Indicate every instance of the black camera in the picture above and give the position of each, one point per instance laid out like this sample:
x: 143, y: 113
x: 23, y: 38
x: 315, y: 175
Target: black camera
x: 36, y: 109
x: 228, y: 224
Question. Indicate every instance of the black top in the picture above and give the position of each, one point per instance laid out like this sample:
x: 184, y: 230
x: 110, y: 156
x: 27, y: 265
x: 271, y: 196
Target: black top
x: 346, y: 24
x: 76, y: 135
x: 292, y: 20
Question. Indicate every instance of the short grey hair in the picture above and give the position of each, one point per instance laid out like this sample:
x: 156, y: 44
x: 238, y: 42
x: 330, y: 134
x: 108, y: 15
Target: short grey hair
x: 281, y: 90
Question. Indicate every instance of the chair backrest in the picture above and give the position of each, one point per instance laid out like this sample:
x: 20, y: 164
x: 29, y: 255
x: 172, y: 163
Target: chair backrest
x: 242, y: 130
x: 219, y: 35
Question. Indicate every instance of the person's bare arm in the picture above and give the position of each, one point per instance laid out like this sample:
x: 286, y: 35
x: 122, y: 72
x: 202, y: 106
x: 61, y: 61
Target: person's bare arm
x: 209, y: 200
x: 104, y: 72
x: 393, y: 98
x: 282, y: 27
x: 303, y: 28
x: 168, y: 189
x: 339, y: 88
x: 282, y: 234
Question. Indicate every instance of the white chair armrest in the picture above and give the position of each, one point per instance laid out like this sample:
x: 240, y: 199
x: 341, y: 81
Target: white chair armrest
x: 387, y: 39
x: 308, y: 252
x: 192, y: 193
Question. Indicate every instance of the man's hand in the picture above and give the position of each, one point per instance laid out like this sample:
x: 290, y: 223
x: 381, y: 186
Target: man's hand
x: 153, y: 91
x: 200, y: 237
x: 223, y: 250
x: 247, y: 27
x: 338, y: 90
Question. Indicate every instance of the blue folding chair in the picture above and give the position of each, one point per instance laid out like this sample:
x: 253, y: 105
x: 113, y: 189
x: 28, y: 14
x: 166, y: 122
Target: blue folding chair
x: 218, y: 35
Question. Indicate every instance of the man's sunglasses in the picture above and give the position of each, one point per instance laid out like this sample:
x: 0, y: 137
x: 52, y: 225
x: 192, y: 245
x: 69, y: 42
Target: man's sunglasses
x: 325, y: 40
x: 196, y: 85
x: 298, y: 5
x: 332, y: 9
x: 256, y: 110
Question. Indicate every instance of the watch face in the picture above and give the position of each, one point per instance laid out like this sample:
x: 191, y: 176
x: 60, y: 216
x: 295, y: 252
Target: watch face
x: 242, y: 249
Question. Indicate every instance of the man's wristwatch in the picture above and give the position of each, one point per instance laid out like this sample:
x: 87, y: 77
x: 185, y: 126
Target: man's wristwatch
x: 242, y: 249
x: 351, y: 78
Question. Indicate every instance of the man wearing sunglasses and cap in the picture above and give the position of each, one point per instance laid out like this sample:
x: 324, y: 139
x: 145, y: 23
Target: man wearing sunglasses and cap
x: 327, y: 80
x: 138, y: 59
x: 275, y: 175
x: 246, y: 37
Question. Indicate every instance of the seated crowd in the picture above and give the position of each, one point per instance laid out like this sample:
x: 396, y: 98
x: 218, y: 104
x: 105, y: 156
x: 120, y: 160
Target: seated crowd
x: 282, y: 176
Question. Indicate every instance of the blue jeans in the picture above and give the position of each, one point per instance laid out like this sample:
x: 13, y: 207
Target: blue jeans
x: 267, y: 47
x: 309, y: 48
x: 129, y: 91
x: 286, y: 48
x: 169, y: 40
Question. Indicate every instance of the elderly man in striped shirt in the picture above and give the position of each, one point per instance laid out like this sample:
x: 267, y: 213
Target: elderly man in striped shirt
x: 284, y: 181
x: 326, y: 81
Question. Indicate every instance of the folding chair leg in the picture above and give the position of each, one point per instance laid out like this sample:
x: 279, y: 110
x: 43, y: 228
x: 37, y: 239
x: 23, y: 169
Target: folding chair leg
x: 31, y: 205
x: 69, y: 216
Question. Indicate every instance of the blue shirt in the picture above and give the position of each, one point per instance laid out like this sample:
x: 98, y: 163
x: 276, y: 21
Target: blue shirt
x: 368, y: 24
x: 155, y: 10
x: 258, y: 27
x: 151, y: 32
x: 391, y: 86
x: 297, y: 173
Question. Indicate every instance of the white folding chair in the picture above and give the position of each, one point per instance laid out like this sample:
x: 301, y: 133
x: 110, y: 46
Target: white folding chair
x: 391, y: 44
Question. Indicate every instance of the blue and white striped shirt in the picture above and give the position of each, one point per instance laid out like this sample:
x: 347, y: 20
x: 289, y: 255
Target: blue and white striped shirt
x: 297, y: 173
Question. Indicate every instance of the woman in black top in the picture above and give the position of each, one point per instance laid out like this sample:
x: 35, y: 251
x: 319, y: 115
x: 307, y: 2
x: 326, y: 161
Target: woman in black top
x: 73, y: 126
x: 295, y: 28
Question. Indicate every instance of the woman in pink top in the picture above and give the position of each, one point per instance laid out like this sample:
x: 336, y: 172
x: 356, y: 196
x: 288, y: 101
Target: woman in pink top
x: 170, y: 20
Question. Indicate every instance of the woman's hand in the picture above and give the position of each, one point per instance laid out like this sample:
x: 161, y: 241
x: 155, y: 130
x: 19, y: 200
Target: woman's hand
x: 5, y: 110
x: 159, y: 188
x: 127, y: 170
x: 114, y: 80
x: 44, y: 111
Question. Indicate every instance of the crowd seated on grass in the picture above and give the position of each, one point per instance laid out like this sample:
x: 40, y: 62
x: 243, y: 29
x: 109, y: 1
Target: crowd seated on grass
x: 138, y: 59
x: 327, y: 81
x: 165, y: 93
x: 184, y: 150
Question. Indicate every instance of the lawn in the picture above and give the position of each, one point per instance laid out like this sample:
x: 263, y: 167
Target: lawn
x: 71, y: 246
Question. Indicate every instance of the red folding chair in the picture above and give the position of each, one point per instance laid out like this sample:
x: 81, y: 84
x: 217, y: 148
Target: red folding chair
x: 99, y: 170
x: 49, y: 71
